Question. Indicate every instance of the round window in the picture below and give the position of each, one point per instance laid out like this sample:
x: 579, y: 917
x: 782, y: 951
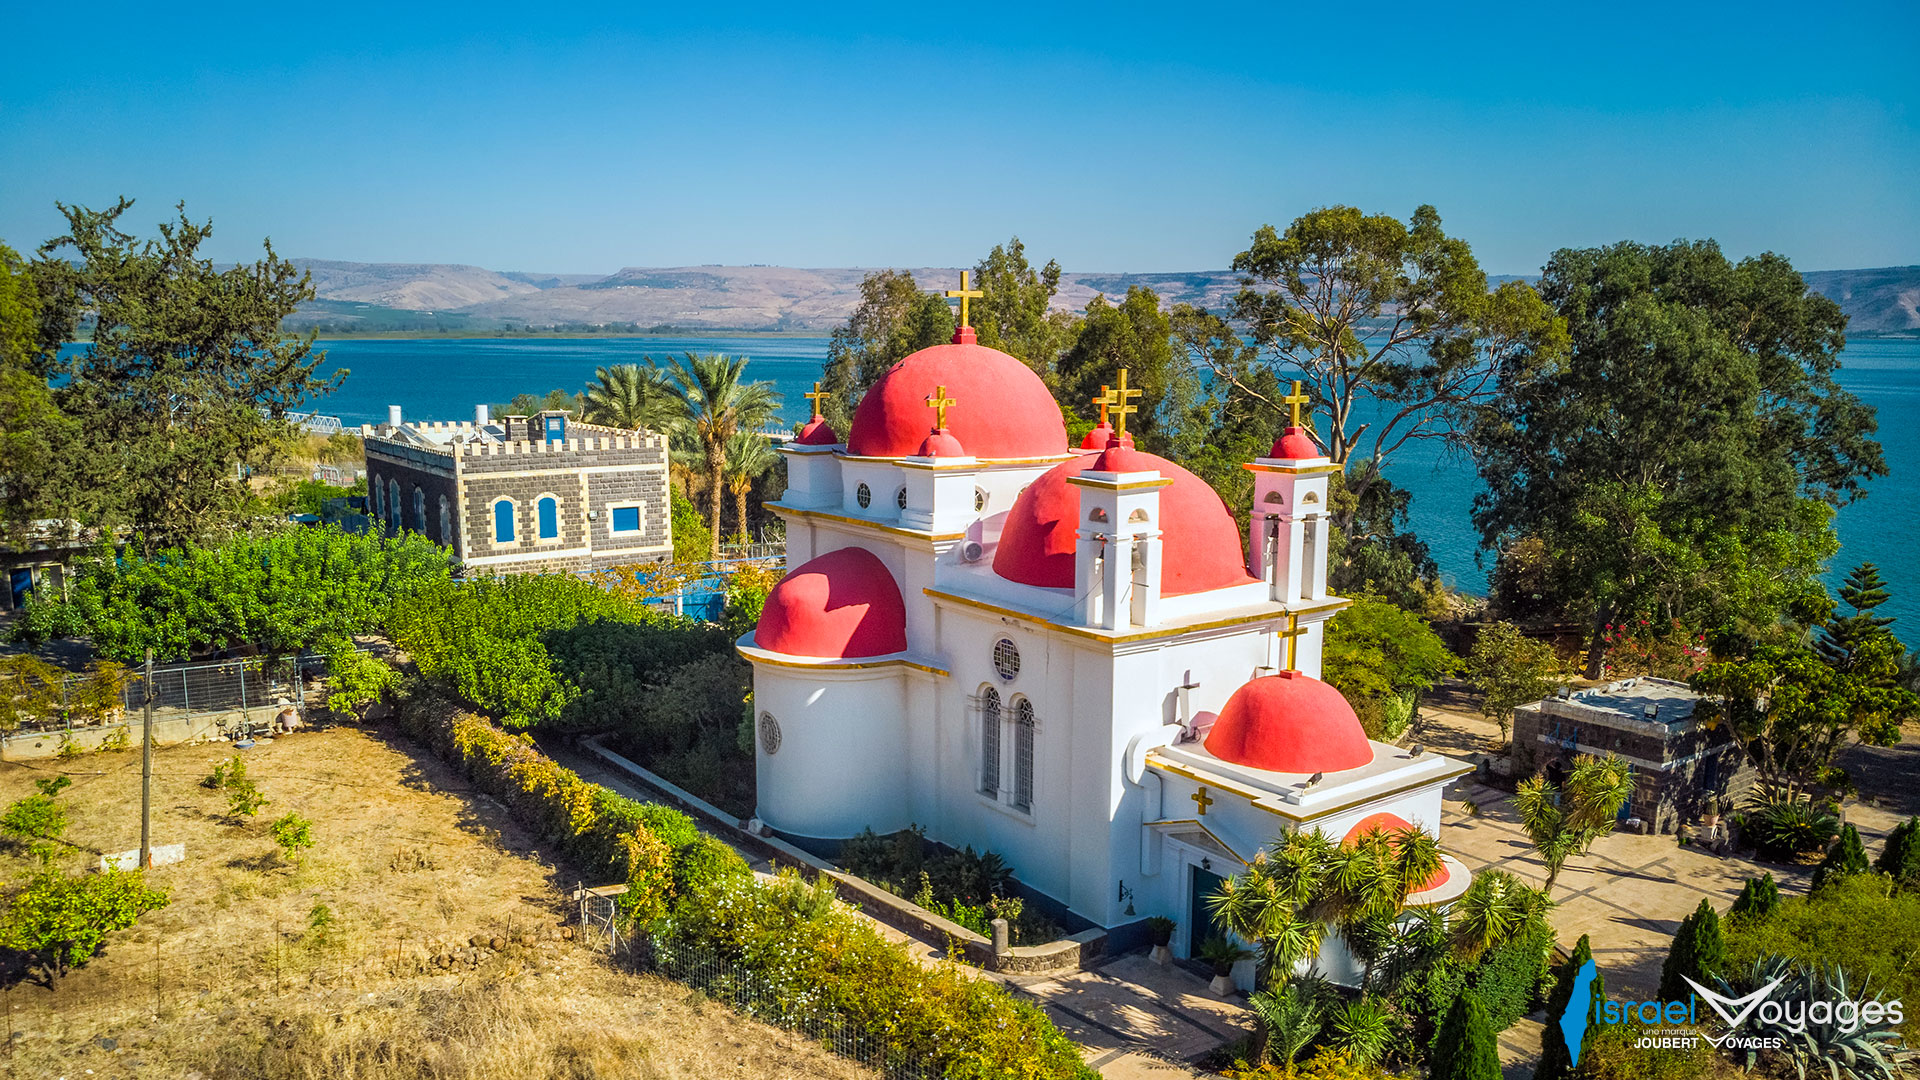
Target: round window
x: 900, y: 498
x: 1006, y: 658
x: 769, y: 733
x: 863, y: 495
x: 979, y: 500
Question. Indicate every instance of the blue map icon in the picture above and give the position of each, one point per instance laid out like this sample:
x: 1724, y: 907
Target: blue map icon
x: 1573, y: 1022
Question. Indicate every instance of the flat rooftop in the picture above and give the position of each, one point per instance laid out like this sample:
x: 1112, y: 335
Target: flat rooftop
x: 1642, y: 700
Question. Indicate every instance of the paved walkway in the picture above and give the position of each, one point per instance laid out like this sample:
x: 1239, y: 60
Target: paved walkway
x: 1132, y: 1018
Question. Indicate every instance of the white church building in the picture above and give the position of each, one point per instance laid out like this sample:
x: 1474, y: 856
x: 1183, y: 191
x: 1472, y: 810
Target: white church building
x: 1067, y: 655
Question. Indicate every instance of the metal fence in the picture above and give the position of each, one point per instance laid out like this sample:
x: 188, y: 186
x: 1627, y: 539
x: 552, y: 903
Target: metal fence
x: 744, y: 991
x: 252, y: 689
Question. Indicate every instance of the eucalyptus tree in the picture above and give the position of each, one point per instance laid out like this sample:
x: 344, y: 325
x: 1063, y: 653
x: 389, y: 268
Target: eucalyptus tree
x: 629, y: 396
x: 715, y: 403
x: 1363, y: 306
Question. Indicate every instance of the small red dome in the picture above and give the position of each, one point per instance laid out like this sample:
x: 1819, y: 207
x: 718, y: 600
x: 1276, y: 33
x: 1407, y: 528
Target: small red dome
x: 1392, y: 823
x: 1001, y: 410
x: 842, y: 604
x: 1294, y: 444
x: 1097, y: 438
x: 942, y: 444
x: 1289, y: 723
x: 1200, y: 545
x: 817, y: 433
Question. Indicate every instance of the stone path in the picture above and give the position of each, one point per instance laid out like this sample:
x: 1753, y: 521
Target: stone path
x: 1132, y: 1019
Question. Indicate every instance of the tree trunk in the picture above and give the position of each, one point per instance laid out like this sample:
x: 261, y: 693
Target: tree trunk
x: 1597, y: 643
x: 716, y: 466
x: 740, y: 509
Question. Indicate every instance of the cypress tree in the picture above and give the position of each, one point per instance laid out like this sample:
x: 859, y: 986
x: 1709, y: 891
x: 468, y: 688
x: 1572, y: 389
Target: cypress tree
x: 1900, y: 860
x: 1758, y: 898
x: 1846, y: 857
x: 1465, y: 1048
x: 1699, y: 953
x: 1554, y: 1057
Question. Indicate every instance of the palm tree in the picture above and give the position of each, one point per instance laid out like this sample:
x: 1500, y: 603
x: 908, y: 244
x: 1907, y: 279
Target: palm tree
x: 1564, y: 822
x: 714, y: 404
x: 749, y: 454
x: 629, y: 396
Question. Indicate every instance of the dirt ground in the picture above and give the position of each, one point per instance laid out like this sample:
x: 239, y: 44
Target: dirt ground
x: 234, y: 978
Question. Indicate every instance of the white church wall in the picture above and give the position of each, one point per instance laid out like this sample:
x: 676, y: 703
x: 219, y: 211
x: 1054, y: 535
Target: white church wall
x: 840, y: 766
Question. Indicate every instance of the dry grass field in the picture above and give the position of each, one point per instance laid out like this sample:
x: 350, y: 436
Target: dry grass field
x: 237, y: 979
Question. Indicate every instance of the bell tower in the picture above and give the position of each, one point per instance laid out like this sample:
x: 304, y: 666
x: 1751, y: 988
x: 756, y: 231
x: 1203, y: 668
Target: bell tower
x: 1288, y: 530
x: 1116, y: 554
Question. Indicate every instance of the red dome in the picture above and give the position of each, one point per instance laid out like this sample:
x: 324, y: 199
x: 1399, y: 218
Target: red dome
x: 1001, y: 410
x: 1289, y: 723
x: 1392, y: 823
x: 942, y: 444
x: 1200, y: 545
x: 1097, y: 438
x: 1294, y: 444
x: 817, y: 433
x: 842, y: 604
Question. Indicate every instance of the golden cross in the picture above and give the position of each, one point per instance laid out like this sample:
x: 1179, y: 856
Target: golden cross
x: 1202, y: 800
x: 1121, y: 397
x: 1103, y: 399
x: 816, y: 397
x: 964, y: 294
x: 1296, y: 399
x: 939, y: 401
x: 1292, y: 634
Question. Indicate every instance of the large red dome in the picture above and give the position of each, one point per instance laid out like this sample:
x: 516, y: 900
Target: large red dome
x: 1199, y: 544
x: 1001, y: 408
x: 1289, y: 723
x: 842, y: 604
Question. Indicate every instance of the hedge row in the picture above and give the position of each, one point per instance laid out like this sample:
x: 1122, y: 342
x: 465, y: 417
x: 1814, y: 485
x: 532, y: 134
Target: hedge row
x: 821, y: 958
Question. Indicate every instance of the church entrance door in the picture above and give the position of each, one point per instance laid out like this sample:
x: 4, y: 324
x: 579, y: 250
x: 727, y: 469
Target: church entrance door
x: 1200, y: 924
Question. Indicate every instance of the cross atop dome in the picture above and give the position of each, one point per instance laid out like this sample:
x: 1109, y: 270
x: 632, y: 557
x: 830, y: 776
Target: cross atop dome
x: 964, y: 294
x: 939, y: 402
x: 817, y: 396
x: 1295, y: 400
x: 1121, y: 405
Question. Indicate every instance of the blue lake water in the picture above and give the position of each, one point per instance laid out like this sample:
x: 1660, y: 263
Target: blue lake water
x: 444, y: 379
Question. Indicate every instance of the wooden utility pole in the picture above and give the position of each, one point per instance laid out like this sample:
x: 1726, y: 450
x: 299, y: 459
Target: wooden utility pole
x: 146, y: 774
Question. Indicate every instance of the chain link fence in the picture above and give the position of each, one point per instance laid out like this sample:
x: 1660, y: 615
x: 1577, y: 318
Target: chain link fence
x: 235, y: 698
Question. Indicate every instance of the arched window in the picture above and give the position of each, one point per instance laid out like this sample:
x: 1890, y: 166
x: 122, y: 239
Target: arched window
x: 419, y: 511
x: 393, y: 503
x: 1023, y: 755
x: 990, y: 742
x: 900, y: 498
x: 503, y: 521
x: 549, y: 514
x: 376, y: 496
x: 446, y: 522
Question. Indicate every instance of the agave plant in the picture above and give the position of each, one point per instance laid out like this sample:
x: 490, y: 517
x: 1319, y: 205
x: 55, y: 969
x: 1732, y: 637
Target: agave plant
x: 1868, y: 1051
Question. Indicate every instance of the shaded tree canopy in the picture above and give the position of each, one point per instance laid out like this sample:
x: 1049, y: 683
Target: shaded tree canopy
x: 1015, y: 313
x: 187, y: 380
x: 1135, y: 334
x: 1672, y: 454
x: 894, y: 318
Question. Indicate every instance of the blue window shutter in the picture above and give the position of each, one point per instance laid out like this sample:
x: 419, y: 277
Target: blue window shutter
x: 549, y: 518
x: 503, y: 522
x: 626, y: 519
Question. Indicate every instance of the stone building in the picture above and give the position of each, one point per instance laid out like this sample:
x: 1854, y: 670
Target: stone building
x: 524, y: 494
x: 1679, y: 753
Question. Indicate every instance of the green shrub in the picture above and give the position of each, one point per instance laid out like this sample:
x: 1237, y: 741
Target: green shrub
x: 1466, y: 1049
x: 1758, y: 898
x: 1861, y: 924
x: 294, y: 834
x: 36, y: 817
x: 1697, y: 953
x: 703, y: 861
x: 1555, y: 1059
x: 244, y: 797
x: 1609, y: 1053
x: 56, y: 921
x: 1844, y: 858
x: 1900, y: 859
x: 1361, y: 1029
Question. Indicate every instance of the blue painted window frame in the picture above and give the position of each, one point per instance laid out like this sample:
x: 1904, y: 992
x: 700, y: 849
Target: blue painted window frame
x: 549, y: 517
x: 626, y: 519
x: 503, y: 522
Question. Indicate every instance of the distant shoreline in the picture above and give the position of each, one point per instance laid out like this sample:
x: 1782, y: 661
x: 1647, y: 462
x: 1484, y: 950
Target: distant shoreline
x: 499, y: 335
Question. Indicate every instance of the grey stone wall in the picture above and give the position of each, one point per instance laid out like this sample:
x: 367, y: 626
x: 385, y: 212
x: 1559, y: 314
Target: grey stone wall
x: 1697, y: 760
x: 410, y: 474
x: 587, y: 477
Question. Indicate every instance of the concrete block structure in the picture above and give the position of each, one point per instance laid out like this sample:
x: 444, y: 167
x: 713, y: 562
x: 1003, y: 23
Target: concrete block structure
x: 523, y: 495
x: 1679, y: 753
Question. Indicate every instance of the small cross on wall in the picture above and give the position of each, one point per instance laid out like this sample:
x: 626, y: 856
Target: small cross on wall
x: 1202, y: 800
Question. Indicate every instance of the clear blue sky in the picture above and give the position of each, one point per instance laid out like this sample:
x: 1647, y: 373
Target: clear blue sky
x: 1112, y: 138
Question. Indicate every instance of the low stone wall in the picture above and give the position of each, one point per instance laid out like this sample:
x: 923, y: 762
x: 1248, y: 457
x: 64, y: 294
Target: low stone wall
x: 1067, y: 954
x: 24, y: 746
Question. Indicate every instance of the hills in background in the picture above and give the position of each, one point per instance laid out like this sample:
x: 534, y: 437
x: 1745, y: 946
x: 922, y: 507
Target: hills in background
x: 372, y: 297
